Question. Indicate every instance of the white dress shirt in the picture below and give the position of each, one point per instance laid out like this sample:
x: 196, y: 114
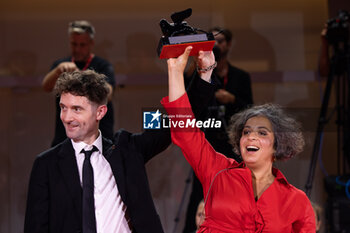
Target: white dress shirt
x: 109, y: 207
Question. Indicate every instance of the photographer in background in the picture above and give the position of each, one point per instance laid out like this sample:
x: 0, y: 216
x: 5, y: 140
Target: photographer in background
x: 234, y: 93
x: 335, y: 33
x: 323, y: 65
x: 334, y: 64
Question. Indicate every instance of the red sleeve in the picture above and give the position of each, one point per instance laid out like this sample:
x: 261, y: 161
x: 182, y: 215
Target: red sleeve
x: 205, y: 161
x: 307, y: 221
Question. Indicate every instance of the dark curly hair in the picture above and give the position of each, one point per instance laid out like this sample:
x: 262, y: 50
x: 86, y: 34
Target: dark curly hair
x: 86, y: 83
x: 289, y: 139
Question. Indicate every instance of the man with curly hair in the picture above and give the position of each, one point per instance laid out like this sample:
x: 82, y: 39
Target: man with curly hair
x: 88, y: 183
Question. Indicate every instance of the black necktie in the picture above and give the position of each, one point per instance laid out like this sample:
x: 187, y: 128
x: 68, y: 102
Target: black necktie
x: 89, y: 220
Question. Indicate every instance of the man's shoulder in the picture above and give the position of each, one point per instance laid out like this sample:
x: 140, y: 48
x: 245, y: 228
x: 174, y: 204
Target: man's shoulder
x: 60, y: 60
x: 101, y: 61
x: 125, y: 139
x: 237, y: 71
x: 122, y: 137
x: 52, y: 152
x: 103, y: 66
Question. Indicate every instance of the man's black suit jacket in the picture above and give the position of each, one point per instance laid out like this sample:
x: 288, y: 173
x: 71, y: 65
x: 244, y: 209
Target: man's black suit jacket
x: 54, y: 196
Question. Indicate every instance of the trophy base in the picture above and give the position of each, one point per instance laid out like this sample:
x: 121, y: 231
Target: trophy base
x: 170, y: 47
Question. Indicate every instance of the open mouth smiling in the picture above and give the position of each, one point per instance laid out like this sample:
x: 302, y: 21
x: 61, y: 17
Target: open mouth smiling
x: 252, y: 148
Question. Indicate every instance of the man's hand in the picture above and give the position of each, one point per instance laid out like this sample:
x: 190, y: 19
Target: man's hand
x: 50, y: 78
x: 204, y: 60
x: 224, y: 96
x: 66, y: 67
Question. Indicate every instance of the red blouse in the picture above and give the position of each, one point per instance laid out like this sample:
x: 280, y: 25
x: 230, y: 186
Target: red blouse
x: 227, y: 187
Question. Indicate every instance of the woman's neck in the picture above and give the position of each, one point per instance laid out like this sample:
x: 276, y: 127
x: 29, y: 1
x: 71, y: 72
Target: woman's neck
x: 261, y: 180
x: 260, y: 174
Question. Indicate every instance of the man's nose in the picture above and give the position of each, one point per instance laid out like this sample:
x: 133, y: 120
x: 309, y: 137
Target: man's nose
x: 66, y: 116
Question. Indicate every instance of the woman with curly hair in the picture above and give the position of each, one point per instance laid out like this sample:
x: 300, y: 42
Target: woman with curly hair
x: 251, y: 196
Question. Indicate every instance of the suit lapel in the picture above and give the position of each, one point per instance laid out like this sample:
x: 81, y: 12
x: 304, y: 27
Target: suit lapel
x: 69, y: 170
x: 114, y: 156
x: 107, y: 147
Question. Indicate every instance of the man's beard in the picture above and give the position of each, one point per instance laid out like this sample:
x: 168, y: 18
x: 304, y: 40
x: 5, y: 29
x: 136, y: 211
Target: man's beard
x: 217, y: 53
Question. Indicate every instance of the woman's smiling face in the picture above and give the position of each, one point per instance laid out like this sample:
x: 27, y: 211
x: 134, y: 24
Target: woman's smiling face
x: 257, y: 142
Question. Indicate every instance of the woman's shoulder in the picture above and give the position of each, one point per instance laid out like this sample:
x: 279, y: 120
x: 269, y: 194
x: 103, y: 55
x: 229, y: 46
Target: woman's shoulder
x: 299, y: 194
x: 291, y: 189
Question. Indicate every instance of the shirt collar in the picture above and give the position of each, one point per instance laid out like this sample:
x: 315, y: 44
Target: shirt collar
x: 78, y: 146
x: 277, y: 173
x: 279, y: 176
